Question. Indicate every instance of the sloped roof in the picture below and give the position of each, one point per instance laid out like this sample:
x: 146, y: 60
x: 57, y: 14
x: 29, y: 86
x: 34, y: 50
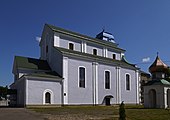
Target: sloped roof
x: 158, y: 82
x: 31, y: 63
x: 125, y: 60
x: 143, y: 73
x: 84, y: 37
x: 45, y: 75
x: 40, y: 68
x: 158, y: 66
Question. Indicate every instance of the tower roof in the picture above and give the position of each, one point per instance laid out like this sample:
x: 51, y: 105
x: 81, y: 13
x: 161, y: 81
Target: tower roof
x: 158, y: 66
x: 105, y: 36
x: 158, y: 82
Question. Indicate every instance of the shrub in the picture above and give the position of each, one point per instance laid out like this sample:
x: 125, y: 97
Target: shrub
x: 122, y: 114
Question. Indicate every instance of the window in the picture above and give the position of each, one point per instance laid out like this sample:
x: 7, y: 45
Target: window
x: 107, y: 80
x: 47, y: 98
x: 127, y: 82
x: 82, y: 77
x: 94, y: 51
x: 71, y: 46
x: 47, y: 49
x: 114, y: 56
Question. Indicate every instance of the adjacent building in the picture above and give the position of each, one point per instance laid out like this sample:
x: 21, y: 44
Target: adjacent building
x: 144, y: 78
x: 157, y: 90
x: 75, y: 69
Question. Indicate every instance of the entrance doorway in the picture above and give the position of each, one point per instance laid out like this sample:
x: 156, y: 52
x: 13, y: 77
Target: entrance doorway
x: 152, y: 98
x: 108, y: 99
x: 168, y: 98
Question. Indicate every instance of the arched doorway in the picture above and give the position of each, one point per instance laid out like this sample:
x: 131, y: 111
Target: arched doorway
x: 47, y: 98
x: 152, y: 98
x: 108, y: 99
x: 168, y: 98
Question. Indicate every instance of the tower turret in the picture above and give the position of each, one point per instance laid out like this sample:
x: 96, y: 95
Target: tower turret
x: 106, y: 36
x: 158, y: 69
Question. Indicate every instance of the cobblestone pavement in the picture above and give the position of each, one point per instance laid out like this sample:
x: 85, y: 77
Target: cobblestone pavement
x: 19, y: 114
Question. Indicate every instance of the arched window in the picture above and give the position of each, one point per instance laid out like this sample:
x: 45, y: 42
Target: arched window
x: 127, y: 82
x: 107, y: 80
x: 82, y: 77
x: 47, y: 98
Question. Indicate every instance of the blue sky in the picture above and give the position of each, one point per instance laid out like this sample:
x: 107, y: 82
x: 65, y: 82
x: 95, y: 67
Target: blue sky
x: 141, y: 27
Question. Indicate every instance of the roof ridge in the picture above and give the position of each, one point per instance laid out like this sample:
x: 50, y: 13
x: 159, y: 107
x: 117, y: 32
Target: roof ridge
x: 28, y: 57
x: 82, y: 36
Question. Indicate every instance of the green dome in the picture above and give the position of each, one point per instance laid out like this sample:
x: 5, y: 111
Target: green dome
x: 165, y: 82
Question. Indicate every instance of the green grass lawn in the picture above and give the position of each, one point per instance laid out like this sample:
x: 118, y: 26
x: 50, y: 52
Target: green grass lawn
x: 140, y: 113
x: 108, y: 112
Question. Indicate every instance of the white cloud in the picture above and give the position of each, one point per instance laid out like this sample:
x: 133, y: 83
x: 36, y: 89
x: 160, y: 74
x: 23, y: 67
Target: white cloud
x: 38, y: 39
x: 147, y: 59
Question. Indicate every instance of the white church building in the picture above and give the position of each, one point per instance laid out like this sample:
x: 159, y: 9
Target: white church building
x: 75, y: 69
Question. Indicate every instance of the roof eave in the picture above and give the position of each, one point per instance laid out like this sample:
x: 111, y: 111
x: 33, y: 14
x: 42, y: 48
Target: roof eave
x: 68, y: 52
x: 43, y: 78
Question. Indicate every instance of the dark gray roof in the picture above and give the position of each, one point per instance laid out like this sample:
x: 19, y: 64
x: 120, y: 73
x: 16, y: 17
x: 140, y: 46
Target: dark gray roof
x: 145, y: 73
x: 85, y: 37
x: 45, y: 75
x: 31, y: 63
x: 40, y: 68
x: 158, y: 82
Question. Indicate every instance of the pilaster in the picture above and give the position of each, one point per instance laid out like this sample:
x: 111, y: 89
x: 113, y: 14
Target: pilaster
x: 137, y: 87
x: 95, y: 82
x: 118, y: 85
x: 65, y: 82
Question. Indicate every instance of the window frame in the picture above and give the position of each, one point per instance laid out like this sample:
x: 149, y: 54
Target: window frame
x: 46, y: 99
x: 127, y: 83
x: 114, y: 56
x: 51, y: 96
x: 105, y: 79
x: 94, y: 51
x: 71, y: 46
x: 84, y: 77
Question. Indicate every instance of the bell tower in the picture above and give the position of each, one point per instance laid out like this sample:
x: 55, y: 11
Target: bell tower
x: 158, y: 69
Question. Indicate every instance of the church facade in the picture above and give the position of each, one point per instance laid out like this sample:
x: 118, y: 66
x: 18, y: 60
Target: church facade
x: 75, y: 69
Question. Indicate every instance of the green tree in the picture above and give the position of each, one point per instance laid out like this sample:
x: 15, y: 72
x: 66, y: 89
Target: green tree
x: 3, y: 92
x: 122, y: 114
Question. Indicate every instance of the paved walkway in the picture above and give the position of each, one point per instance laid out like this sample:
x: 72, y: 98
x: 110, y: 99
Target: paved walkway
x: 19, y: 114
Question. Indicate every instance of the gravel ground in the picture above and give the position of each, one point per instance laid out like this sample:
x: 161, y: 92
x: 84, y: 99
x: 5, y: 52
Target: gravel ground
x: 19, y: 114
x: 78, y: 113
